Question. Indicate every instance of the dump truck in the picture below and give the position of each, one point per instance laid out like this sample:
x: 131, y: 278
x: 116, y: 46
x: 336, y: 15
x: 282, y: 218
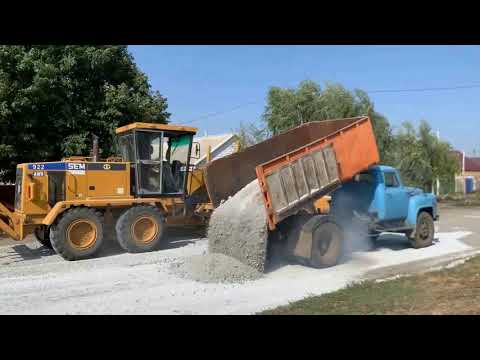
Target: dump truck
x: 295, y: 171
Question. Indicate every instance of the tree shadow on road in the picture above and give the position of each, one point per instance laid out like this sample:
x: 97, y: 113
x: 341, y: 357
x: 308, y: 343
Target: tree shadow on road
x: 23, y: 253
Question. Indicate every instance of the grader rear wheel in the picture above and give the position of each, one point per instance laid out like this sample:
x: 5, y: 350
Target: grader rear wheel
x: 140, y: 229
x: 78, y: 234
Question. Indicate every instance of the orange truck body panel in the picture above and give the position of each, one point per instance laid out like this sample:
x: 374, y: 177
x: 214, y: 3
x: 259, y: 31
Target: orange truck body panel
x: 355, y: 150
x: 331, y: 152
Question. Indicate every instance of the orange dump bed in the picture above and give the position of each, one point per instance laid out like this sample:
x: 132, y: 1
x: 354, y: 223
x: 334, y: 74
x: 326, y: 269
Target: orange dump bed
x: 290, y: 181
x: 297, y: 166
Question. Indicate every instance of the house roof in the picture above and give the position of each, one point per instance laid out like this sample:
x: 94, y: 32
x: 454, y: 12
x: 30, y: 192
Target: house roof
x: 472, y: 163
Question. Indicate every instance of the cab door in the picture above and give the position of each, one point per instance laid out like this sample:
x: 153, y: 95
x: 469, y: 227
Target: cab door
x: 396, y: 198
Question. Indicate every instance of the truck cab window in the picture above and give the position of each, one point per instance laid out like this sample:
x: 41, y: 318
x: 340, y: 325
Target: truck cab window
x: 365, y: 177
x: 390, y: 179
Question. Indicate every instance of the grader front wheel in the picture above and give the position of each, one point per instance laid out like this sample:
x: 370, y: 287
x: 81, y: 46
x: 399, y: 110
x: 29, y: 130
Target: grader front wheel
x: 78, y: 234
x: 140, y: 229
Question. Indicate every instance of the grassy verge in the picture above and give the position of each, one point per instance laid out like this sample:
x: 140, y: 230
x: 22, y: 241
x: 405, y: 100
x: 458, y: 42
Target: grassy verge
x: 448, y: 291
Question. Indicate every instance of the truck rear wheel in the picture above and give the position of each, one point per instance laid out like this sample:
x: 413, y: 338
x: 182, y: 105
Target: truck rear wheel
x: 424, y: 231
x: 78, y: 234
x: 140, y: 229
x: 42, y: 234
x: 327, y: 244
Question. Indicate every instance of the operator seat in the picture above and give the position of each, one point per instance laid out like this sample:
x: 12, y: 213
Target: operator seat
x: 169, y: 184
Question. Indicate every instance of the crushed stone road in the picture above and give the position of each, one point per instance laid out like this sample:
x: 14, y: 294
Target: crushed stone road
x: 34, y: 280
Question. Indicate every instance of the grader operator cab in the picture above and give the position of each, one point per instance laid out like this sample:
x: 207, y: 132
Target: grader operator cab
x: 64, y: 203
x: 158, y: 157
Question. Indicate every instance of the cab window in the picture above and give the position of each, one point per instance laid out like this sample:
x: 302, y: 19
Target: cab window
x: 390, y: 179
x: 365, y: 177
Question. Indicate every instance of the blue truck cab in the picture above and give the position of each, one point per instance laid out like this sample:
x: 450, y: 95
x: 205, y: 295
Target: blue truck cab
x: 378, y: 199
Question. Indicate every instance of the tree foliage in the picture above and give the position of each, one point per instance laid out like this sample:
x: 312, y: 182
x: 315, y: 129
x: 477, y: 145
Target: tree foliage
x: 422, y: 158
x: 287, y: 108
x: 53, y: 98
x: 418, y: 154
x: 249, y: 134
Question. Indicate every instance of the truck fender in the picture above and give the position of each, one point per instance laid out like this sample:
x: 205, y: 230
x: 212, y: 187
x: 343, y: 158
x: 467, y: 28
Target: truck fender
x: 413, y: 210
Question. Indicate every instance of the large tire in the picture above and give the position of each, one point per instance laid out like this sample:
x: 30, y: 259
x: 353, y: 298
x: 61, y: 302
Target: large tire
x: 424, y: 231
x: 42, y: 234
x: 78, y: 233
x: 140, y: 229
x: 327, y: 243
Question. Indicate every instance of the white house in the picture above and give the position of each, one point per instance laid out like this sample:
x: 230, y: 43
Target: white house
x: 220, y: 146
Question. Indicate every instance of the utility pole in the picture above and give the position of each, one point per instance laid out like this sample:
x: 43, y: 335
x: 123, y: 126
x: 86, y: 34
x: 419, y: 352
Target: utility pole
x: 438, y: 180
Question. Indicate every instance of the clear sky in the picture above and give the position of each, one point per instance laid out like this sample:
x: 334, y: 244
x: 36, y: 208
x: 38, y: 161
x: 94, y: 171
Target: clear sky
x: 216, y: 87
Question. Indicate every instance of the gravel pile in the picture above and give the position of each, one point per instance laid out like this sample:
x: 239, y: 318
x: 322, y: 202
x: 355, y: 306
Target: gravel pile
x: 238, y: 227
x: 214, y: 268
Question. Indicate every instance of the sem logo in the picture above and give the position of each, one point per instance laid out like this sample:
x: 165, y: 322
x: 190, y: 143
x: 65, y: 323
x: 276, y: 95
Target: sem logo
x: 76, y: 166
x: 106, y: 167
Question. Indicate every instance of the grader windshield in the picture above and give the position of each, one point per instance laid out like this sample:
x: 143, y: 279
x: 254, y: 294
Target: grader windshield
x: 159, y: 160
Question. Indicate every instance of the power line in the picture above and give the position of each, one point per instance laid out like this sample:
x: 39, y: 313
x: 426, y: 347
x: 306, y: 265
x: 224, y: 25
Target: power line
x: 222, y: 112
x: 425, y: 89
x: 206, y: 116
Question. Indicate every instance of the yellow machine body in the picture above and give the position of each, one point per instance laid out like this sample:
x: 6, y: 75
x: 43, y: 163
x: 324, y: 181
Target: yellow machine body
x: 44, y: 190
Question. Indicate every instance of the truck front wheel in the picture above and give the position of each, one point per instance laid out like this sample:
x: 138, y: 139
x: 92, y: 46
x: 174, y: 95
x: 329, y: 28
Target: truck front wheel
x: 424, y: 231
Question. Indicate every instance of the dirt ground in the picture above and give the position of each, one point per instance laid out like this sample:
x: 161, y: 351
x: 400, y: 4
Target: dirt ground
x: 34, y: 280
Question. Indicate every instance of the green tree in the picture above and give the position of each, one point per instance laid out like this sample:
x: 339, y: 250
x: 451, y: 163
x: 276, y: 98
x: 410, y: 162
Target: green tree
x: 422, y: 158
x: 53, y: 98
x: 287, y: 108
x: 249, y: 134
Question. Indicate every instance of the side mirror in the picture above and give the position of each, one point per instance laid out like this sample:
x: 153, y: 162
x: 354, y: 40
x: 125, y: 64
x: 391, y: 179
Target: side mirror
x: 196, y: 151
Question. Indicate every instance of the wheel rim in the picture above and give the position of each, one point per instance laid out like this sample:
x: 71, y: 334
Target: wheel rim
x: 145, y: 230
x: 324, y: 239
x: 82, y: 234
x: 424, y: 230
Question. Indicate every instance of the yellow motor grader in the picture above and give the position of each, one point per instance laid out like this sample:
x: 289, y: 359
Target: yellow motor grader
x: 151, y: 185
